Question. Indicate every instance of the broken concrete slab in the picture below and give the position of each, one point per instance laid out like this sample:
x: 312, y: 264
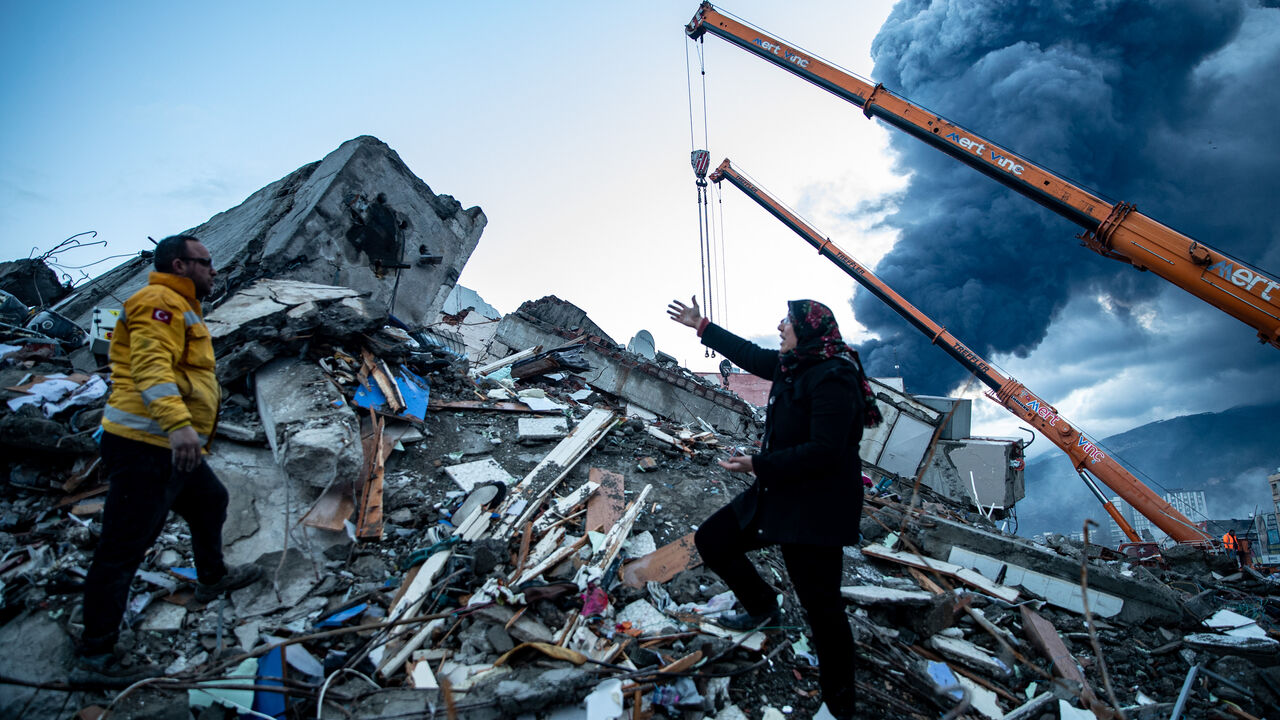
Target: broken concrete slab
x: 1066, y: 594
x: 163, y: 617
x: 265, y: 504
x: 1261, y: 647
x: 313, y: 432
x: 271, y: 317
x: 675, y: 393
x: 359, y: 218
x: 970, y: 655
x: 32, y: 282
x: 877, y: 595
x: 46, y: 653
x: 538, y: 429
x: 1143, y: 598
x: 286, y: 584
x: 644, y: 617
x: 469, y: 476
x: 524, y: 629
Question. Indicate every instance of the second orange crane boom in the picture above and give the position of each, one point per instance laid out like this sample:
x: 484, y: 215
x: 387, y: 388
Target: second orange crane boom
x: 1085, y: 455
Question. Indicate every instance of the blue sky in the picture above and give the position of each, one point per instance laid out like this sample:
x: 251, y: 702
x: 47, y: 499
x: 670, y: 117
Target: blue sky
x: 567, y: 122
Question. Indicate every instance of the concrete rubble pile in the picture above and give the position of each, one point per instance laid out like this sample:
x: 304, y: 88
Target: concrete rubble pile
x: 500, y: 523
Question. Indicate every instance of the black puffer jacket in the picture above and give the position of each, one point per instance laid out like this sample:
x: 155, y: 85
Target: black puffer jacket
x: 808, y: 486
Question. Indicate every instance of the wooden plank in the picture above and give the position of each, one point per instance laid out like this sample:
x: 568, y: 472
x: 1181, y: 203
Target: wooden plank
x: 584, y: 436
x: 408, y: 605
x: 91, y: 492
x: 606, y: 506
x: 615, y: 539
x: 80, y: 473
x: 332, y: 509
x: 508, y: 360
x: 552, y: 560
x: 369, y: 519
x: 88, y: 508
x: 1044, y: 637
x: 525, y: 538
x: 925, y: 582
x: 398, y: 659
x: 561, y: 508
x: 683, y: 663
x: 378, y: 373
x: 662, y: 564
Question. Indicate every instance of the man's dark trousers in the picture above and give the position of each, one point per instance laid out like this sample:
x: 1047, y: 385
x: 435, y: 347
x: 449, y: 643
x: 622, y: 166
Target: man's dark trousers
x: 144, y: 488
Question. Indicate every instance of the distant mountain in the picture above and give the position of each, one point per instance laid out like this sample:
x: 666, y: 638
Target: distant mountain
x: 1228, y: 455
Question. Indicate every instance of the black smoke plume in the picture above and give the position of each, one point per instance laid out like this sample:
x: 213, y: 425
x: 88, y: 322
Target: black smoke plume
x: 1169, y: 104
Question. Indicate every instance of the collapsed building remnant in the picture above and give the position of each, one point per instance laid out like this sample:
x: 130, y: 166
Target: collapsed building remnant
x: 480, y: 542
x: 358, y: 218
x: 671, y: 392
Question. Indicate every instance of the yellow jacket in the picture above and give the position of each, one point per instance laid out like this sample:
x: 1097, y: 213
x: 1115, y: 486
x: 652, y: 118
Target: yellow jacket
x: 162, y: 365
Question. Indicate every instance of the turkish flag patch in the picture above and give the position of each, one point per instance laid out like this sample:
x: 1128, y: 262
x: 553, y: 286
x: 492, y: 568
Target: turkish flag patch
x: 163, y: 316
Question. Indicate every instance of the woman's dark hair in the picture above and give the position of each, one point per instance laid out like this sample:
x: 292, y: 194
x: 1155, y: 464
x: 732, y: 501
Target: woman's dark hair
x: 172, y: 248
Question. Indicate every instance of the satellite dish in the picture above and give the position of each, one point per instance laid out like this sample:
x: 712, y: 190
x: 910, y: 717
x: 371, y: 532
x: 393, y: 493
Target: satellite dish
x: 642, y: 344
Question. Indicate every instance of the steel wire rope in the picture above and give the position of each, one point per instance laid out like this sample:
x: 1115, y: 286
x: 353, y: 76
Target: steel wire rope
x: 724, y: 279
x: 709, y: 278
x: 704, y: 219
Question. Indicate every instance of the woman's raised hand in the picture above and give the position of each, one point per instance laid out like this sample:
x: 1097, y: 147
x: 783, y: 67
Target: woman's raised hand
x: 685, y: 314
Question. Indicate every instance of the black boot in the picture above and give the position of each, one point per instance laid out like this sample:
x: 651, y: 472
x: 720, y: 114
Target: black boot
x: 742, y: 622
x: 107, y: 670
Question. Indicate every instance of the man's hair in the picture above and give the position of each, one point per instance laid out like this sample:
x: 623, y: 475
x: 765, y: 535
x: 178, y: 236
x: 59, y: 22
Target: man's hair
x: 172, y: 248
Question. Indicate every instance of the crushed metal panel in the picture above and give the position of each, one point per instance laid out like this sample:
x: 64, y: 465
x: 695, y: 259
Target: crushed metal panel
x: 960, y: 424
x: 885, y: 448
x: 906, y: 446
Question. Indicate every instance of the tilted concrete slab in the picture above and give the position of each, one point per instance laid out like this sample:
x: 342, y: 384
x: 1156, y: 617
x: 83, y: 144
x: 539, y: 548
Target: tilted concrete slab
x: 677, y: 394
x: 1066, y: 594
x: 352, y: 219
x: 1142, y: 600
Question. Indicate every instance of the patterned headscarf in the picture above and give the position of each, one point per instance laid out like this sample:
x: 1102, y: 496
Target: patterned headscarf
x: 817, y: 334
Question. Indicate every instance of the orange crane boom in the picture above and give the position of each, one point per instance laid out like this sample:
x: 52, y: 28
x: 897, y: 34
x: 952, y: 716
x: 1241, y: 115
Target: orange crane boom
x: 1085, y: 454
x: 1117, y: 231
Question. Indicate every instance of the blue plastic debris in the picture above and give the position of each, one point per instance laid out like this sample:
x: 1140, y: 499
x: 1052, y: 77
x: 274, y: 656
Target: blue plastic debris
x: 267, y: 702
x: 336, y: 619
x: 944, y: 678
x: 416, y: 392
x: 184, y: 573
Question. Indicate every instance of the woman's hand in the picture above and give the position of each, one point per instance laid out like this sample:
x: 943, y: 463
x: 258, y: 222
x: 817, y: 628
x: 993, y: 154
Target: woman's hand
x: 684, y: 314
x: 738, y: 463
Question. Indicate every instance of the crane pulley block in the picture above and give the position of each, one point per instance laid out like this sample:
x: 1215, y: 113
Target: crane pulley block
x: 701, y: 161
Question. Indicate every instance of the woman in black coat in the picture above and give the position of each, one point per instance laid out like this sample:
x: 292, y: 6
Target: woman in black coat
x: 807, y: 493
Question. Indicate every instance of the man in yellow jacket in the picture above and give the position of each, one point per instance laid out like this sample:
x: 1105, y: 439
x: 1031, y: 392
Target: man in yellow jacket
x: 156, y: 427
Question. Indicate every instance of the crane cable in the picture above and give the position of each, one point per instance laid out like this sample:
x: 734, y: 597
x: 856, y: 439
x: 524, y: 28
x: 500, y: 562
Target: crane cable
x: 711, y: 280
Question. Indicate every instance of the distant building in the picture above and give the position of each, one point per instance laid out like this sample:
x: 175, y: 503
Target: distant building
x: 754, y: 390
x: 1190, y: 503
x: 1126, y: 511
x: 1266, y: 548
x: 1274, y: 481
